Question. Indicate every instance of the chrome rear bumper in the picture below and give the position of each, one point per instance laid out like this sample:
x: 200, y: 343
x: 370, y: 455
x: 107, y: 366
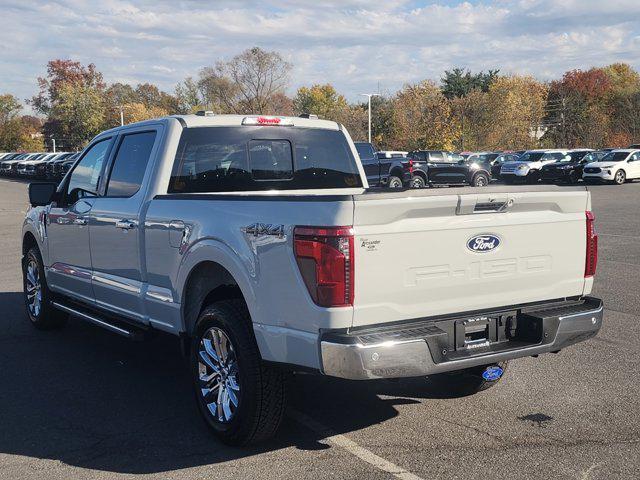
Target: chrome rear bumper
x: 395, y: 354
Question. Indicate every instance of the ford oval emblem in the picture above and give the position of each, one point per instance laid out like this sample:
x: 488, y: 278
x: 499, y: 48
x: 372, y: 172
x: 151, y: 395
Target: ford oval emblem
x: 492, y: 373
x: 483, y: 243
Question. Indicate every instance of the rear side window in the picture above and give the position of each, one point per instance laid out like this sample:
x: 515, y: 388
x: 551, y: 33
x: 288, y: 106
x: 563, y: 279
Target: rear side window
x: 365, y: 151
x: 247, y: 158
x: 130, y: 164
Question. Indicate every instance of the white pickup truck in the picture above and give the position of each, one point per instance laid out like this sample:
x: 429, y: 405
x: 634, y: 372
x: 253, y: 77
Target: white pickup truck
x: 257, y: 241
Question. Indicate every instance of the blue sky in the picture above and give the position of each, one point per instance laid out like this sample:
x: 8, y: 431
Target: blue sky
x: 357, y: 45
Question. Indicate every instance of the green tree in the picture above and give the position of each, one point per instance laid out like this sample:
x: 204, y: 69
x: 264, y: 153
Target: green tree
x: 460, y: 82
x: 321, y: 100
x: 9, y: 108
x: 79, y: 113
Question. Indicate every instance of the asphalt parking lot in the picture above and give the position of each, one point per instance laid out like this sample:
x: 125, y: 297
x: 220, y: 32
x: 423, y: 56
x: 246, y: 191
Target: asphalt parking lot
x: 83, y: 403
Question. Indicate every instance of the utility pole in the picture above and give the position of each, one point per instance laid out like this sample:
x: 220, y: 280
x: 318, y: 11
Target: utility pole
x: 121, y: 116
x: 53, y: 141
x: 369, y: 95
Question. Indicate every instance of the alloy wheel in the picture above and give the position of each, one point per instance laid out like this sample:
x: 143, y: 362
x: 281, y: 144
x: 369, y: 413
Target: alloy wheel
x: 395, y: 183
x: 620, y: 177
x: 218, y: 375
x: 481, y: 181
x: 33, y: 288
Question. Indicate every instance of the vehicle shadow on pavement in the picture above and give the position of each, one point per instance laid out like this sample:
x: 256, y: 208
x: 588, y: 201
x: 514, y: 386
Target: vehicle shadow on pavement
x: 90, y: 399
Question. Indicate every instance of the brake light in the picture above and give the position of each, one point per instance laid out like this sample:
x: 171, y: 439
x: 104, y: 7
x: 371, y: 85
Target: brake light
x: 265, y: 120
x: 325, y: 259
x: 411, y: 165
x: 591, y: 260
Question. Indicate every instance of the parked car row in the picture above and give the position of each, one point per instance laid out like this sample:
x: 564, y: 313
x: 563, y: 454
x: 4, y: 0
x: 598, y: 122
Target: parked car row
x: 571, y: 166
x: 430, y: 168
x: 50, y: 166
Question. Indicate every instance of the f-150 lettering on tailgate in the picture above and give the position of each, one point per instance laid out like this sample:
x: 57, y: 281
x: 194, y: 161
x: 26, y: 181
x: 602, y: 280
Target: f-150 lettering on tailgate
x: 497, y: 268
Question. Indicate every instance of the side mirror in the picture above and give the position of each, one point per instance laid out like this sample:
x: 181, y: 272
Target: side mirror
x: 41, y: 193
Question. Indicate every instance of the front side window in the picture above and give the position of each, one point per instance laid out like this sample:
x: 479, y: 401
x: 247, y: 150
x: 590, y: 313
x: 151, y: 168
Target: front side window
x: 130, y: 164
x: 86, y: 175
x: 247, y: 158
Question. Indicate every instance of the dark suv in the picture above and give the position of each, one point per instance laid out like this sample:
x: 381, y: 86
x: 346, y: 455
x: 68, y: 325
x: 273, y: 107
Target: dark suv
x: 439, y: 167
x: 383, y: 171
x: 569, y: 170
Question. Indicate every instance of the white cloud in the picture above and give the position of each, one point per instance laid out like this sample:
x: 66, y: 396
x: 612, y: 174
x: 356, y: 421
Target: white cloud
x: 354, y: 44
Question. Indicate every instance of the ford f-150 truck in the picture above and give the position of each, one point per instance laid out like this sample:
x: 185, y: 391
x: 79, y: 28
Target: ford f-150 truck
x: 256, y: 240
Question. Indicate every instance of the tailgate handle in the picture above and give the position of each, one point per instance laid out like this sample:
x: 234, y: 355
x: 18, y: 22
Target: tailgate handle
x: 482, y: 207
x: 476, y: 204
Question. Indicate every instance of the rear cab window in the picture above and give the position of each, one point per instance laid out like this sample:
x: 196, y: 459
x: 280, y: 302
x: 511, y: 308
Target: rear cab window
x: 248, y: 158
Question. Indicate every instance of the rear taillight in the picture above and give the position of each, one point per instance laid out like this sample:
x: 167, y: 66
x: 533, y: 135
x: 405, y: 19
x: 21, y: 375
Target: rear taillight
x: 325, y: 259
x: 591, y: 260
x: 410, y: 166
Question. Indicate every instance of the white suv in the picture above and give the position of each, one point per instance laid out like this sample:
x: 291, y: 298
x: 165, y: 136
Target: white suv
x: 617, y: 166
x: 529, y: 165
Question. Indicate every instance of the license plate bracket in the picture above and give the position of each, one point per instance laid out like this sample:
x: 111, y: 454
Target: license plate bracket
x: 476, y: 332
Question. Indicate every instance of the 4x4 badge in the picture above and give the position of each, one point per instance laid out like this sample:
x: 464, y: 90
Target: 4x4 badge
x: 259, y: 229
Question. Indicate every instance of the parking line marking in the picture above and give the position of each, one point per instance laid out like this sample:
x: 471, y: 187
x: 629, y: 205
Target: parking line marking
x: 352, y: 447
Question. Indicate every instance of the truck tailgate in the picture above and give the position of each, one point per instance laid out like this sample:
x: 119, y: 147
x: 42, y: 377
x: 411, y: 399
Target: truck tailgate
x: 415, y: 256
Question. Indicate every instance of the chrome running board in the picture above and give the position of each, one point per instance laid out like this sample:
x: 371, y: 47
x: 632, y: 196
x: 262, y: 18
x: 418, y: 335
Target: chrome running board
x: 96, y: 319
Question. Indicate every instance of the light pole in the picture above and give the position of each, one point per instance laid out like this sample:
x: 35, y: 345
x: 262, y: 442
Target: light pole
x: 369, y: 95
x: 121, y: 116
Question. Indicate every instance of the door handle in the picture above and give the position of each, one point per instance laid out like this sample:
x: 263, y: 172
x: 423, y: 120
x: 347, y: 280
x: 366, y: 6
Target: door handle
x: 125, y: 224
x: 80, y: 221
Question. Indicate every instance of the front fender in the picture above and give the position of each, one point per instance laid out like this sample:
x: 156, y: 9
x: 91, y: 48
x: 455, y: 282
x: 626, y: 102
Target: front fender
x: 35, y: 224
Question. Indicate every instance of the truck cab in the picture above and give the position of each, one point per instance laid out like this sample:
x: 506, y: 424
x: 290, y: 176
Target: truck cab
x: 383, y: 170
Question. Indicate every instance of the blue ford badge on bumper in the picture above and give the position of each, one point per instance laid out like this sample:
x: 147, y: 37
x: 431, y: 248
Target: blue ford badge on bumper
x: 483, y: 243
x: 492, y: 373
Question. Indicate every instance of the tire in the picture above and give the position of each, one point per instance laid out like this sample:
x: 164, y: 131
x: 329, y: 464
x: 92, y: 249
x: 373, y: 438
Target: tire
x: 480, y: 180
x: 258, y: 390
x: 418, y: 182
x: 533, y: 177
x: 37, y: 296
x: 466, y: 382
x: 394, y: 182
x: 573, y: 178
x: 620, y: 177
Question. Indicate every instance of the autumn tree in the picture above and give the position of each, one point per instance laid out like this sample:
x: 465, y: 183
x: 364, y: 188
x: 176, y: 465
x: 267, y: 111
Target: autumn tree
x: 59, y: 74
x: 624, y: 105
x: 423, y: 119
x: 516, y: 107
x: 248, y: 83
x: 18, y: 132
x: 578, y: 109
x: 382, y: 108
